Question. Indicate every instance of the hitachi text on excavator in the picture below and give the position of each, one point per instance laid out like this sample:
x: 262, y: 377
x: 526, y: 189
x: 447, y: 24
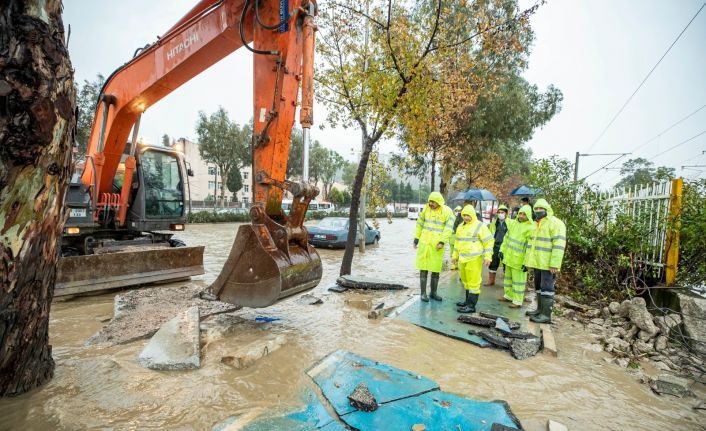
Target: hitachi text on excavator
x: 131, y: 198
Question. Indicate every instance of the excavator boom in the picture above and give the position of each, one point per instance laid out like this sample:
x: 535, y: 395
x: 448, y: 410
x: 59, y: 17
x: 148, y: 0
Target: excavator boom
x: 271, y: 257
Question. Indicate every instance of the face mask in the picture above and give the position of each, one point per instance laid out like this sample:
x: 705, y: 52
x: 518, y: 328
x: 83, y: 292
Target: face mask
x: 501, y: 216
x: 540, y: 214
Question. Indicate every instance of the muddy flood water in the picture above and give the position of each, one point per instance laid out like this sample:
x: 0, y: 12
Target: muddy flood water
x: 98, y: 388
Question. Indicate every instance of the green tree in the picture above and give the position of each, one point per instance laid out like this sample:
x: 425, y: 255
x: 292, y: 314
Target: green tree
x: 165, y: 140
x: 409, y: 194
x: 333, y: 162
x: 86, y: 101
x: 235, y: 181
x: 640, y: 171
x: 294, y: 161
x: 348, y: 174
x: 223, y: 143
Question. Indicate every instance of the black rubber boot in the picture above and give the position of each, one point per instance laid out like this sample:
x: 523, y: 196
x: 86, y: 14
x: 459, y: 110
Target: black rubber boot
x: 434, y: 286
x: 545, y: 316
x: 539, y: 306
x: 470, y: 306
x: 423, y: 285
x: 464, y: 302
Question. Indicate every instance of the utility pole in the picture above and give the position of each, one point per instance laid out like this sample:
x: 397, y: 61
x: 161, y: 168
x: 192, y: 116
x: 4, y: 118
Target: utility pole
x: 363, y: 193
x: 578, y: 155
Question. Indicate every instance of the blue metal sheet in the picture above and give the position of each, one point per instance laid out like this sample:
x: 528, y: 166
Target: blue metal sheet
x: 340, y: 372
x: 438, y: 411
x: 441, y: 317
x: 313, y: 416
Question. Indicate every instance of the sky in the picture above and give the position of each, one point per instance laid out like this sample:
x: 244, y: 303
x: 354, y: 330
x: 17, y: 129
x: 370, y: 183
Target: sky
x: 595, y: 51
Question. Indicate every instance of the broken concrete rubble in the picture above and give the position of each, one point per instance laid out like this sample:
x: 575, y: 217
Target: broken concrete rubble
x: 670, y: 385
x: 138, y: 314
x: 309, y: 299
x: 484, y: 321
x: 693, y: 310
x: 524, y: 348
x: 643, y: 319
x: 362, y: 399
x: 175, y: 346
x: 492, y: 336
x: 361, y: 282
x: 250, y: 353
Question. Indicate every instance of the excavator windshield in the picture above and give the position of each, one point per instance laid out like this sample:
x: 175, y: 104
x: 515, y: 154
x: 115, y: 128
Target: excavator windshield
x: 163, y: 183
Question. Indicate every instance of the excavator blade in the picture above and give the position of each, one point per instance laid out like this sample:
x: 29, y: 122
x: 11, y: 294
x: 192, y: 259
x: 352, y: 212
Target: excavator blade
x: 258, y: 274
x: 82, y: 274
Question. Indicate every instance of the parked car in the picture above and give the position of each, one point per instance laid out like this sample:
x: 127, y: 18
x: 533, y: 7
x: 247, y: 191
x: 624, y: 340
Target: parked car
x: 241, y: 211
x: 332, y: 232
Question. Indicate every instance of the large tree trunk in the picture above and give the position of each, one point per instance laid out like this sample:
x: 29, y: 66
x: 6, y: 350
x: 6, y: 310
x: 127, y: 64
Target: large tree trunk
x: 37, y: 103
x: 355, y: 204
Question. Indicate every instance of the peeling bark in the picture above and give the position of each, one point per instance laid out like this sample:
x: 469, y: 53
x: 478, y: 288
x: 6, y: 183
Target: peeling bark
x: 37, y: 119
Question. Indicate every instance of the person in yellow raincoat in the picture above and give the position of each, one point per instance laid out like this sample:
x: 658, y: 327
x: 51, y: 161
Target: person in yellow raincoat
x: 473, y: 250
x: 457, y: 213
x: 434, y: 228
x: 512, y: 254
x: 545, y: 251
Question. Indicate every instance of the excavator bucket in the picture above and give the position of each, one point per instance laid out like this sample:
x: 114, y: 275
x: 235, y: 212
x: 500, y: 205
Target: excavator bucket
x: 271, y: 259
x: 83, y: 274
x: 258, y: 273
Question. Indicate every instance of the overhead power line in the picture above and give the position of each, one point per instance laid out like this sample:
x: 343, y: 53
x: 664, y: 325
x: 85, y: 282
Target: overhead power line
x: 670, y: 127
x: 645, y: 79
x: 675, y: 146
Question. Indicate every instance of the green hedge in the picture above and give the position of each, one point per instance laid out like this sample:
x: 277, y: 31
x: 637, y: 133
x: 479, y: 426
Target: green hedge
x: 211, y: 217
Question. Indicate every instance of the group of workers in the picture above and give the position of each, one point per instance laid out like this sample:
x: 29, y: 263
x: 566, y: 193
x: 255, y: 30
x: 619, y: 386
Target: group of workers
x: 533, y: 239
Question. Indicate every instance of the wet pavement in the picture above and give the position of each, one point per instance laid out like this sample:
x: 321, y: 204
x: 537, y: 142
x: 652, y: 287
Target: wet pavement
x: 98, y: 387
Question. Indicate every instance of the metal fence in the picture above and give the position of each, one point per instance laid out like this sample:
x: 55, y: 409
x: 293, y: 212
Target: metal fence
x: 654, y: 204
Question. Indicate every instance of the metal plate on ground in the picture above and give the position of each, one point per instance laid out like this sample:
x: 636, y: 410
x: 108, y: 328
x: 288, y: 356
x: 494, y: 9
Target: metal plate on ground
x: 441, y: 317
x: 438, y: 411
x: 404, y: 399
x: 313, y: 416
x: 339, y: 373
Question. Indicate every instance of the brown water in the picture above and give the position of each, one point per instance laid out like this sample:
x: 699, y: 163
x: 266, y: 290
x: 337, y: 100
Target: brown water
x: 105, y: 388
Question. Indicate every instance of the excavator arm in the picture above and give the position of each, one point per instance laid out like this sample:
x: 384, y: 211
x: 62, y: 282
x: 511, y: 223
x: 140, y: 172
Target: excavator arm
x: 270, y: 258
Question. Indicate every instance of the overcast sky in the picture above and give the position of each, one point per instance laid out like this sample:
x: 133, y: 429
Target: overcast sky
x: 596, y: 51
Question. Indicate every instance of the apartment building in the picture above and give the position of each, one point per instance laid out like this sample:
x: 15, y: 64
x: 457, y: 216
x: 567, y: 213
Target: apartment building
x: 206, y: 180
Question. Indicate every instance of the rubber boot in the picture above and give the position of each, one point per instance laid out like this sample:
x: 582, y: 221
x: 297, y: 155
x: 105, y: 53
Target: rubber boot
x: 491, y: 279
x: 434, y: 286
x: 545, y: 316
x: 470, y: 306
x: 465, y: 301
x: 423, y: 285
x: 539, y: 306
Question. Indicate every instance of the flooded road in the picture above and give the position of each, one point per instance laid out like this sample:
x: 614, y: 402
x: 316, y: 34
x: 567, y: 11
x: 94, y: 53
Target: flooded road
x: 106, y: 388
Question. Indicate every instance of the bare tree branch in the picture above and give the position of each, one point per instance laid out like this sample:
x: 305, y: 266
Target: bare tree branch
x: 361, y: 13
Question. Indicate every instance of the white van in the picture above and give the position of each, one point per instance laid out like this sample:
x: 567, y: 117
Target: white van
x: 327, y: 207
x: 313, y: 206
x: 413, y: 211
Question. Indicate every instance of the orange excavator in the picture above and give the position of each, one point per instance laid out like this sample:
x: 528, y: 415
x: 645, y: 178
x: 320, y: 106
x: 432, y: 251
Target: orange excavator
x: 131, y: 196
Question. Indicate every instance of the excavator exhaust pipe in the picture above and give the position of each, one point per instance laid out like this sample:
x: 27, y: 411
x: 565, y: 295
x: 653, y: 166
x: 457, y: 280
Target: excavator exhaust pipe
x: 270, y: 260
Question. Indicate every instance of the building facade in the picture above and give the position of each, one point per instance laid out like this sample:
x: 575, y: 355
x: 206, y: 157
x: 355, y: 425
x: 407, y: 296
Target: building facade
x: 207, y: 182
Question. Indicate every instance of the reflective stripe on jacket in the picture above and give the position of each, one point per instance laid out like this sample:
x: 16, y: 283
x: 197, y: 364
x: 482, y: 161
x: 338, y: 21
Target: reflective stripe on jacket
x: 515, y: 244
x: 435, y: 226
x: 546, y: 245
x: 472, y: 241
